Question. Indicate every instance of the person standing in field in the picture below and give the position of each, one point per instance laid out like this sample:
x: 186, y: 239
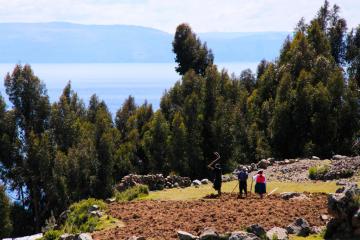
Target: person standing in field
x: 217, y: 173
x: 242, y: 176
x: 260, y: 183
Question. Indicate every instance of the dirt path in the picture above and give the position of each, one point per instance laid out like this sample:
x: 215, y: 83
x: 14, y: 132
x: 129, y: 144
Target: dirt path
x: 161, y: 219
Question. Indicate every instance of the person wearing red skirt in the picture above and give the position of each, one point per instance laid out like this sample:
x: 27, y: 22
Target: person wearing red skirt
x: 260, y: 183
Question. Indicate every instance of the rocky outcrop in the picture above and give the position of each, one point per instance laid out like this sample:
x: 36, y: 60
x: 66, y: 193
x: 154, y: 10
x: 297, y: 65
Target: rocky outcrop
x: 243, y: 236
x: 293, y: 196
x: 300, y: 227
x: 257, y: 230
x: 182, y: 235
x: 196, y: 182
x: 32, y: 237
x: 136, y: 238
x: 344, y: 207
x: 154, y: 182
x: 278, y: 233
x: 205, y: 181
x: 81, y: 236
x: 264, y: 163
x: 84, y: 236
x: 209, y: 234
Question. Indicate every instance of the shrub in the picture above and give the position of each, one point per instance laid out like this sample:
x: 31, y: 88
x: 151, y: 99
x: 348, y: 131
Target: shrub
x: 52, y: 235
x: 80, y: 219
x: 130, y: 194
x: 318, y: 172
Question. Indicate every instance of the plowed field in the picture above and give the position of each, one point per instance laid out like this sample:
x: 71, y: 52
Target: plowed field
x: 161, y: 219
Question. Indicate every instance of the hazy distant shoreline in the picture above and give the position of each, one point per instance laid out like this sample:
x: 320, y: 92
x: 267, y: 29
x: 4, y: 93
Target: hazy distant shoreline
x: 112, y: 82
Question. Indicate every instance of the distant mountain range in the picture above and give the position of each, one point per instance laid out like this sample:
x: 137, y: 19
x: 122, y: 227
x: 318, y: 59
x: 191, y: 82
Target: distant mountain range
x: 76, y: 43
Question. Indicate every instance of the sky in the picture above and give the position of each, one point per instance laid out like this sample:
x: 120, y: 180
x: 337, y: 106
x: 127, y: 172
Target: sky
x: 202, y: 15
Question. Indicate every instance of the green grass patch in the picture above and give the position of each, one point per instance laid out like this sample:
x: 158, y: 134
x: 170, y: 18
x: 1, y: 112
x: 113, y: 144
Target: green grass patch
x: 310, y: 237
x: 191, y: 193
x: 80, y: 219
x: 52, y: 235
x: 136, y: 192
x: 318, y: 172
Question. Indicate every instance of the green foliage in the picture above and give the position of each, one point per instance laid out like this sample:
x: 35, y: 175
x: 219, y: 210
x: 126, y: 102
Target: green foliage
x: 52, y: 235
x: 132, y: 193
x: 80, y: 220
x: 317, y: 172
x: 190, y: 52
x: 5, y: 222
x: 274, y: 237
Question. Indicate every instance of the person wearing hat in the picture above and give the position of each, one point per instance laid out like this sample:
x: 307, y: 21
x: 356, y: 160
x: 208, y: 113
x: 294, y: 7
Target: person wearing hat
x: 242, y: 175
x: 217, y: 173
x: 260, y: 183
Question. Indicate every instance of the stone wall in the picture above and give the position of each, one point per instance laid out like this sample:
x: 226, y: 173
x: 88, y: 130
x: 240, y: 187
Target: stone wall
x: 154, y: 182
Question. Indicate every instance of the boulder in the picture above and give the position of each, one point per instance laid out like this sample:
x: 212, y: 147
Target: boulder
x: 94, y: 208
x: 300, y: 227
x: 186, y: 236
x: 110, y: 200
x: 226, y: 178
x: 317, y: 230
x: 31, y: 237
x: 209, y: 234
x: 338, y: 157
x: 96, y: 213
x: 341, y: 183
x: 289, y: 195
x: 263, y: 163
x: 136, y: 238
x: 257, y: 230
x: 344, y: 208
x: 84, y: 236
x: 67, y: 236
x: 324, y: 217
x: 341, y: 205
x: 340, y: 190
x: 205, y: 181
x: 196, y: 182
x: 279, y: 233
x: 243, y: 236
x: 253, y: 167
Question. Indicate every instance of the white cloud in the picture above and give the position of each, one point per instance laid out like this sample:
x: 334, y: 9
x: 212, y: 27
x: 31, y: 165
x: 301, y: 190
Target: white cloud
x: 202, y: 15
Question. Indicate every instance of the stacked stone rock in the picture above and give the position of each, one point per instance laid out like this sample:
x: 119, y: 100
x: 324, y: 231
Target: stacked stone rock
x: 177, y: 181
x: 345, y: 209
x: 154, y: 182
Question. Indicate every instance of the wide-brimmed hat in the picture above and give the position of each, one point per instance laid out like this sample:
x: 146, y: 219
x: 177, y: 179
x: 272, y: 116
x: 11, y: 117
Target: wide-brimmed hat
x: 260, y: 171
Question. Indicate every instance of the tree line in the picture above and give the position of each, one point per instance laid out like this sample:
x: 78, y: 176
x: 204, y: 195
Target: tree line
x: 304, y: 103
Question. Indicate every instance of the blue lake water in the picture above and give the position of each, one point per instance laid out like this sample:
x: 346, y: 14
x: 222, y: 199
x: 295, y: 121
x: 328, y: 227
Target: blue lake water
x: 113, y: 82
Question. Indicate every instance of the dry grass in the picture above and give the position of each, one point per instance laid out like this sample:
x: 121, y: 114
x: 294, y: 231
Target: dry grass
x: 200, y: 192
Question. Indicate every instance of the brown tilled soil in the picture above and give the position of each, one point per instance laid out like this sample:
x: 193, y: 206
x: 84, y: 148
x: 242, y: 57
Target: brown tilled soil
x: 161, y: 219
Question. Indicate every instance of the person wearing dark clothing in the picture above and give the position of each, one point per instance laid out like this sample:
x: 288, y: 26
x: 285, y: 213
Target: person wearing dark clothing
x: 217, y: 178
x: 217, y: 173
x: 242, y: 175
